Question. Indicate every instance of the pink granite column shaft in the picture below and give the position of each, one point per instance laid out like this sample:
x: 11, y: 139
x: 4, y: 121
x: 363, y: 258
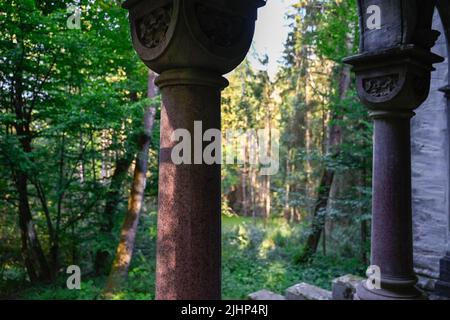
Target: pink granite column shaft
x: 189, y: 210
x: 392, y: 240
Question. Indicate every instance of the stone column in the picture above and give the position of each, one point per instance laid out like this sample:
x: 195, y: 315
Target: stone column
x: 392, y: 248
x: 392, y: 83
x: 442, y: 287
x: 189, y: 229
x: 392, y: 80
x: 191, y: 44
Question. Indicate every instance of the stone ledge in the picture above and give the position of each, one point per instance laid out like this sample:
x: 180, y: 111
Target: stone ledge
x: 265, y: 295
x: 304, y: 291
x: 344, y: 288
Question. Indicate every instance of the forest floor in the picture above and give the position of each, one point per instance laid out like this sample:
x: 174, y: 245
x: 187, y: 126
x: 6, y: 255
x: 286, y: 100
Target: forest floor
x: 256, y: 255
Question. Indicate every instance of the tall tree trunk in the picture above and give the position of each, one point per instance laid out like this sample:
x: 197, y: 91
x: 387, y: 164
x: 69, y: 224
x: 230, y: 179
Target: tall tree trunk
x: 333, y: 143
x: 244, y: 190
x: 253, y: 191
x: 268, y: 198
x: 81, y: 168
x: 294, y: 214
x: 113, y: 196
x: 318, y: 221
x: 113, y: 199
x: 123, y: 164
x: 51, y: 230
x: 287, y: 177
x: 104, y: 155
x: 287, y: 189
x: 244, y: 175
x: 35, y: 261
x: 61, y: 194
x: 124, y: 253
x: 364, y: 230
x: 267, y: 201
x: 33, y: 255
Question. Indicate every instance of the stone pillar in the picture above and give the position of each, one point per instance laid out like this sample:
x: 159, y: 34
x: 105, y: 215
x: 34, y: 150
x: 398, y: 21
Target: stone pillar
x: 393, y: 79
x: 400, y: 79
x: 191, y: 44
x: 442, y: 287
x: 392, y: 248
x: 189, y: 229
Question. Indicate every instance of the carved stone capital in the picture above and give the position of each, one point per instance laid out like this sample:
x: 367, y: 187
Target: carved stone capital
x: 205, y: 34
x: 394, y: 68
x: 394, y: 80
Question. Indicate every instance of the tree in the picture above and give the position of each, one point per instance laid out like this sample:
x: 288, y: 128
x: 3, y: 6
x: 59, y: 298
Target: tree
x: 324, y: 124
x: 332, y: 150
x: 124, y: 253
x: 66, y: 116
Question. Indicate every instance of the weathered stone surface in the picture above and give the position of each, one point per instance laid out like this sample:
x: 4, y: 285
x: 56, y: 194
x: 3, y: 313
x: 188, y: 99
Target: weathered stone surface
x: 430, y: 173
x: 344, y: 287
x: 304, y: 291
x: 398, y: 26
x: 265, y: 295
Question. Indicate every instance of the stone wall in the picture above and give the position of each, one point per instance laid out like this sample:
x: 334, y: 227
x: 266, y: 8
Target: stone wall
x: 430, y: 173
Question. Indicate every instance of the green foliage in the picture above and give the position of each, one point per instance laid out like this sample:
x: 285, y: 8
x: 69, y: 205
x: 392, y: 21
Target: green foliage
x: 90, y: 290
x: 79, y: 96
x: 258, y: 255
x: 255, y: 256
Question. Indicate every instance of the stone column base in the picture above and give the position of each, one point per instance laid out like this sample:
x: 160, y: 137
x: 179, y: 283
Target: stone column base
x: 442, y: 287
x: 363, y: 293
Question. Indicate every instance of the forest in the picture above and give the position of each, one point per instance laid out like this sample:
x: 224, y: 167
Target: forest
x: 79, y: 147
